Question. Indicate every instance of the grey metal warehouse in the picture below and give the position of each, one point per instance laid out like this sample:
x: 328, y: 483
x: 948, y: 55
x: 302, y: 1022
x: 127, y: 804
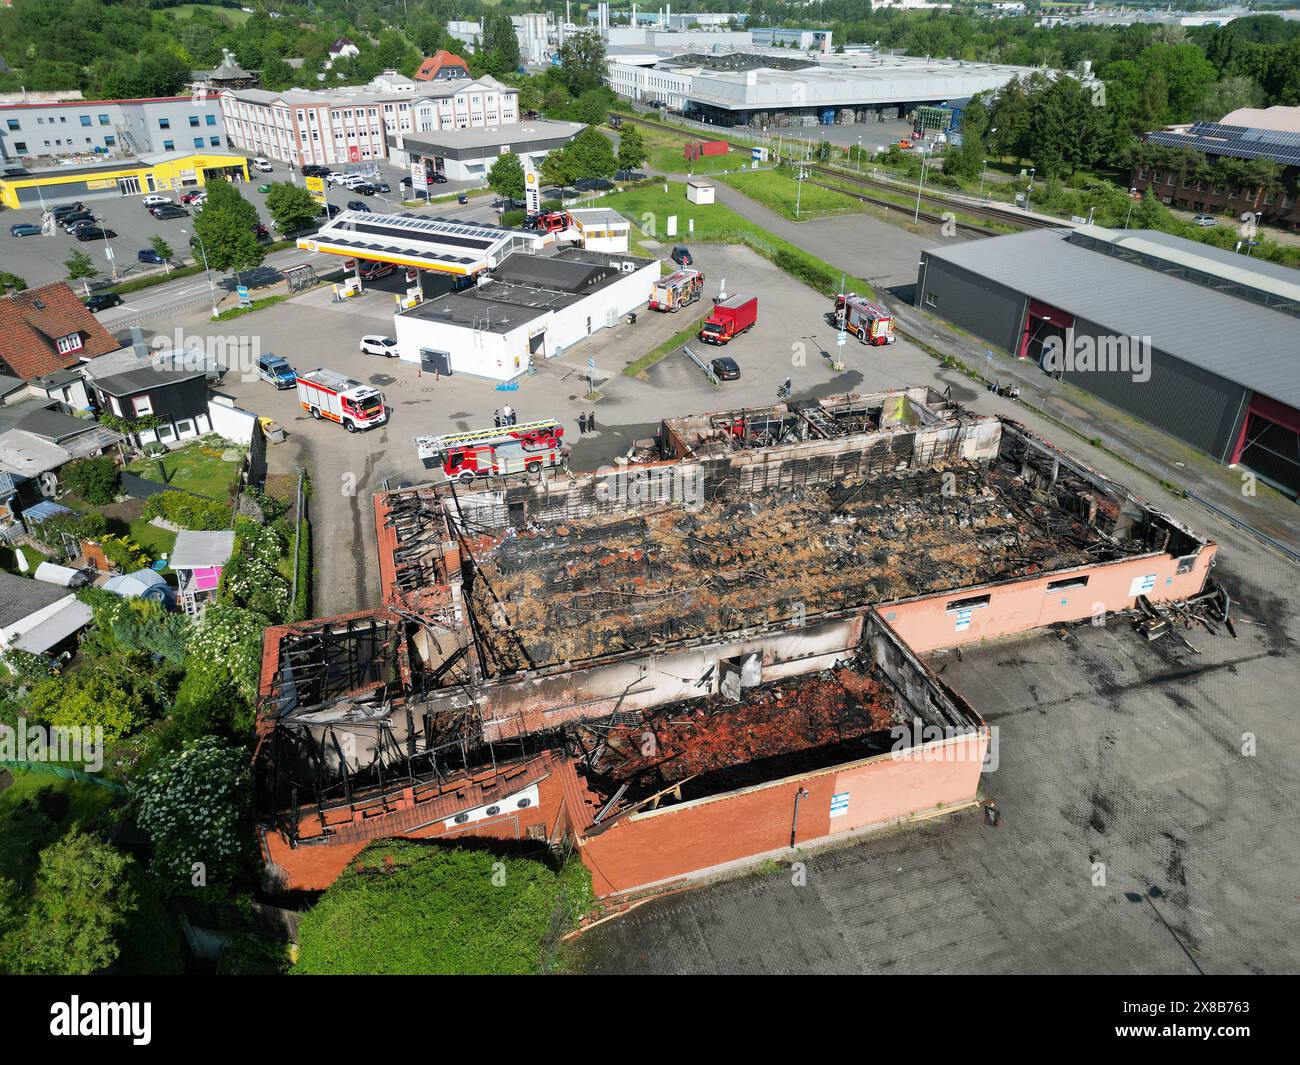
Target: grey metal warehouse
x: 1200, y: 342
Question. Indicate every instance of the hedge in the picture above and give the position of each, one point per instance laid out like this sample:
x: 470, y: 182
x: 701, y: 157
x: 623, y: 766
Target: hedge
x: 188, y: 511
x: 300, y: 609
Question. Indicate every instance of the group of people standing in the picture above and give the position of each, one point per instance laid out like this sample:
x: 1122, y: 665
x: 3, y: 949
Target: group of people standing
x: 586, y: 422
x: 505, y: 416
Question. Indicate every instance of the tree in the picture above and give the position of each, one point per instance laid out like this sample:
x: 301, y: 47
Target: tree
x: 292, y: 207
x: 499, y: 50
x: 591, y: 108
x: 81, y: 267
x: 966, y: 160
x: 591, y: 155
x: 94, y: 479
x: 631, y: 148
x: 163, y: 250
x: 81, y: 900
x: 226, y: 226
x: 12, y: 281
x: 506, y: 178
x: 582, y: 62
x: 90, y: 698
x: 194, y: 805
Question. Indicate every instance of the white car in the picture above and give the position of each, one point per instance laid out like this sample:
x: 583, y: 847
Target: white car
x: 335, y: 178
x: 1206, y: 221
x: 353, y: 180
x: 263, y: 166
x: 375, y: 344
x: 154, y: 201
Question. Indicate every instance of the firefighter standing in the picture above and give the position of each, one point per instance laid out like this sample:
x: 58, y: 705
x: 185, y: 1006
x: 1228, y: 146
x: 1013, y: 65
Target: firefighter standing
x: 496, y: 418
x: 582, y: 423
x: 591, y: 422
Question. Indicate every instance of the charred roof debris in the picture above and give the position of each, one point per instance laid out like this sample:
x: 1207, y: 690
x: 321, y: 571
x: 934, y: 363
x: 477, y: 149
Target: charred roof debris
x: 741, y: 611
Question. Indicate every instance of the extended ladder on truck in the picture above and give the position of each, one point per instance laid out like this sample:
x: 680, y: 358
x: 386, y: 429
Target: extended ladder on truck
x: 524, y: 448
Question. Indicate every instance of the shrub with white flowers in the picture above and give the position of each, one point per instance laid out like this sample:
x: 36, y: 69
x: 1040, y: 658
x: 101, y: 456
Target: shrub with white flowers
x: 231, y: 637
x: 252, y: 578
x: 194, y: 807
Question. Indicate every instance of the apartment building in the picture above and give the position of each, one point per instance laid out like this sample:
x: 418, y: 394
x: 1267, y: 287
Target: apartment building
x: 352, y: 124
x: 110, y: 127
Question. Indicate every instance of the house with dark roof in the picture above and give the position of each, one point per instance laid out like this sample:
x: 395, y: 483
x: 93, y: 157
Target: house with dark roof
x: 38, y: 617
x: 173, y: 399
x: 442, y: 66
x: 46, y: 329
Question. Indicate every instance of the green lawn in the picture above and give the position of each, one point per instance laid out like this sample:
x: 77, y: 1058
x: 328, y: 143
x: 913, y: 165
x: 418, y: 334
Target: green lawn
x: 10, y: 563
x: 672, y: 161
x: 778, y: 191
x: 196, y: 468
x: 187, y: 10
x: 85, y: 801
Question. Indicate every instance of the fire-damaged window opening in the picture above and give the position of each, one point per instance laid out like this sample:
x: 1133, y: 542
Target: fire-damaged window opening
x: 969, y: 603
x: 580, y: 658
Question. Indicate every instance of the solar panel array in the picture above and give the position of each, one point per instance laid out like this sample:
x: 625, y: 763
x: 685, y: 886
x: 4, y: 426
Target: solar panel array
x: 1239, y: 142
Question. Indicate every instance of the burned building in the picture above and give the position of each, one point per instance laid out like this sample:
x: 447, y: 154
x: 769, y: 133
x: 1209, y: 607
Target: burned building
x: 698, y: 658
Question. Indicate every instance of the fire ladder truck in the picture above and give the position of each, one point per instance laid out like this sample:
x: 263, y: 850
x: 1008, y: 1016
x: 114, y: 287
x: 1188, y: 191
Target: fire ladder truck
x: 869, y: 323
x: 526, y: 448
x: 676, y: 290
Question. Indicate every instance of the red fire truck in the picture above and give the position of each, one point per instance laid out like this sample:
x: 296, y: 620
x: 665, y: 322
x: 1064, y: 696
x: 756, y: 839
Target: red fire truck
x: 528, y: 447
x: 327, y: 394
x: 676, y: 290
x: 869, y: 323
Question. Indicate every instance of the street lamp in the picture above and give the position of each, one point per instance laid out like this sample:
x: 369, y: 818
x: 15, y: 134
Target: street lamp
x: 925, y: 158
x: 1029, y: 189
x: 108, y: 245
x: 984, y: 165
x: 212, y: 291
x: 859, y: 155
x: 1129, y: 213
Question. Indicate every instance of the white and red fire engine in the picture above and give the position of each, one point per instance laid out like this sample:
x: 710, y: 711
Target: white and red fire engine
x: 528, y: 447
x: 866, y: 321
x: 676, y: 290
x: 327, y: 394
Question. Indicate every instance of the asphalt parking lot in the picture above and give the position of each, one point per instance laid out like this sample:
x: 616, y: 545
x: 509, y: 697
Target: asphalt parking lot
x: 40, y: 260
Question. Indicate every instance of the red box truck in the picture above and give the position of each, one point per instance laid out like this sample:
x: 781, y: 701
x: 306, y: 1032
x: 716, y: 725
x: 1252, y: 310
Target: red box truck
x: 729, y: 319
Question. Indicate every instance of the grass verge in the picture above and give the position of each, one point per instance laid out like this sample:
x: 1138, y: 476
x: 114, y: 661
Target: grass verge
x: 666, y: 348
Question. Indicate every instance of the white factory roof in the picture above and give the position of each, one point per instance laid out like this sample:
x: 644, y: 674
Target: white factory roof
x: 897, y: 80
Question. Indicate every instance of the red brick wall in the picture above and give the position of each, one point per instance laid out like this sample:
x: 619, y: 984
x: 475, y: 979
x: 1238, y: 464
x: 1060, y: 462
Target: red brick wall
x: 665, y: 844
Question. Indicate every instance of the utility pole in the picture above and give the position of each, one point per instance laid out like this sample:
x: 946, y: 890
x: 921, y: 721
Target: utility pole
x: 925, y: 158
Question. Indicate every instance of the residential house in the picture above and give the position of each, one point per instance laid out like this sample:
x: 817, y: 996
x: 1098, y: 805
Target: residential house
x: 173, y: 398
x: 198, y: 558
x: 443, y: 66
x: 47, y: 329
x: 38, y: 617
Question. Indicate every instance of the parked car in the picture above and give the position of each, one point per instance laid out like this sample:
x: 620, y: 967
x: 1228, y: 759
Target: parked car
x: 1205, y: 221
x: 25, y: 229
x: 275, y: 370
x: 315, y: 170
x: 438, y: 177
x: 262, y: 166
x: 330, y: 209
x: 102, y: 301
x: 380, y: 186
x: 334, y: 179
x: 264, y: 188
x: 64, y: 209
x: 726, y: 368
x: 260, y: 231
x: 93, y: 233
x: 629, y: 175
x: 354, y: 180
x: 156, y: 201
x: 148, y: 255
x: 190, y: 197
x: 372, y: 271
x: 358, y: 205
x: 364, y: 189
x: 375, y: 344
x: 69, y: 222
x: 170, y: 210
x: 682, y: 255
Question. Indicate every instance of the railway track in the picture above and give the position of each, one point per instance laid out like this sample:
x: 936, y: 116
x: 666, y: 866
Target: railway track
x: 934, y: 205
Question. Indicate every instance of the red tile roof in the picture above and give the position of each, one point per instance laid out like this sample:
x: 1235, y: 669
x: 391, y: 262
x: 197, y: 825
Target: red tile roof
x: 434, y: 63
x: 32, y: 322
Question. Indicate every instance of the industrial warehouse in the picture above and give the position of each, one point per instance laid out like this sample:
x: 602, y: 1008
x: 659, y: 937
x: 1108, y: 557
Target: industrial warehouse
x: 706, y: 655
x: 1195, y: 340
x: 774, y: 91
